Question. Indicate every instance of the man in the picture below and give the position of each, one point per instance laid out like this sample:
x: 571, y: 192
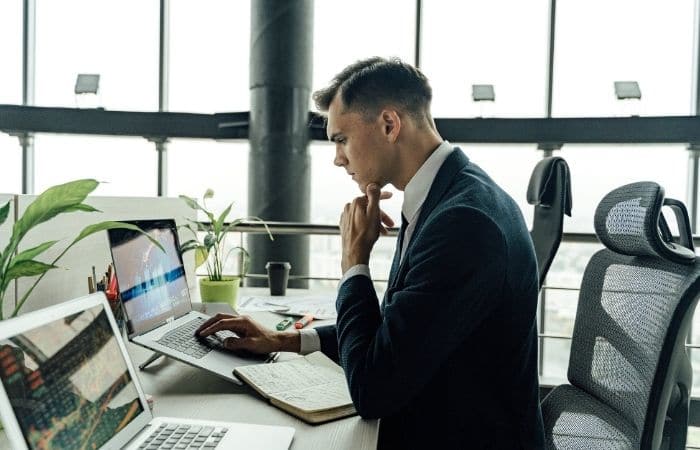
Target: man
x: 449, y: 358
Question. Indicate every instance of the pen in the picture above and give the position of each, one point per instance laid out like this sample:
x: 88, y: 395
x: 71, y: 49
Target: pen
x: 304, y: 321
x: 284, y: 324
x: 273, y: 357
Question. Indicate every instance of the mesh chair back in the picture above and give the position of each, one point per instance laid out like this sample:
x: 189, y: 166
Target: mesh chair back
x: 625, y: 309
x: 635, y: 300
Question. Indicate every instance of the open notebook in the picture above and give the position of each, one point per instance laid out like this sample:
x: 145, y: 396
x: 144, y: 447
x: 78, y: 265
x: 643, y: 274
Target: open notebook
x: 312, y: 388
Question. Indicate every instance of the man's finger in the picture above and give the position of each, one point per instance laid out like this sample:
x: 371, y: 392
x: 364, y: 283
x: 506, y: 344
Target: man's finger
x: 385, y: 195
x: 233, y: 324
x: 372, y: 193
x: 212, y: 320
x: 386, y: 220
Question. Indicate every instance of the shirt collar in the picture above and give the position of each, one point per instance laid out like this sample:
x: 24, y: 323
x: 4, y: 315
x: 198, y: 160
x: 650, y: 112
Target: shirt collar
x: 418, y: 187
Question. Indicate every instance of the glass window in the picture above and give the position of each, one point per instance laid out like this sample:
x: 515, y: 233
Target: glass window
x: 124, y: 166
x: 385, y: 28
x: 561, y: 300
x: 11, y: 167
x: 209, y: 53
x: 510, y: 165
x: 502, y: 43
x: 626, y: 40
x: 598, y: 169
x: 11, y: 51
x: 117, y: 40
x: 197, y: 165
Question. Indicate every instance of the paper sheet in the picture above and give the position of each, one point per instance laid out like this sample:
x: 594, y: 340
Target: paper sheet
x: 320, y: 306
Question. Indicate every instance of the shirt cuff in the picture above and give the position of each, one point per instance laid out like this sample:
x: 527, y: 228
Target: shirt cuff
x: 359, y: 269
x: 310, y: 341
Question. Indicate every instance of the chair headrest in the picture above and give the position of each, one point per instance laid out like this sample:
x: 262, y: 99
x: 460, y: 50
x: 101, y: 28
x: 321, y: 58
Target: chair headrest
x: 628, y: 220
x: 543, y: 183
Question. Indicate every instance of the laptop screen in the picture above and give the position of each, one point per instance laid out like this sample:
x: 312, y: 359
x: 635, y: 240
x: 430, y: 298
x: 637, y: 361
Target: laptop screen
x: 152, y: 282
x: 68, y: 383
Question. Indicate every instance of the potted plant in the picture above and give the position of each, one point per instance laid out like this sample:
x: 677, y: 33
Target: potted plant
x: 60, y: 199
x: 211, y: 250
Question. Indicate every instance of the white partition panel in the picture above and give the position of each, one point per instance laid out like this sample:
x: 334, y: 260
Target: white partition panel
x: 70, y: 280
x: 5, y: 231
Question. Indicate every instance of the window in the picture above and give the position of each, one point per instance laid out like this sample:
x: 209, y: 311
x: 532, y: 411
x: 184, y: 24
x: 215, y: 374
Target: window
x: 197, y: 165
x: 209, y: 56
x: 345, y: 32
x: 502, y: 43
x: 598, y: 169
x: 599, y: 42
x: 11, y: 51
x: 561, y: 300
x: 11, y: 167
x: 117, y: 39
x: 124, y: 166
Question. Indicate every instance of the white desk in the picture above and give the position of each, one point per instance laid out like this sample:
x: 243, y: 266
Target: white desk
x: 180, y: 390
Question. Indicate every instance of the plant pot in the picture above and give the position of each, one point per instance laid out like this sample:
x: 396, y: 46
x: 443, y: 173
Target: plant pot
x: 225, y: 291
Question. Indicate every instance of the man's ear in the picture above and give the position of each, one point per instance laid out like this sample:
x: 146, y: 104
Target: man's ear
x: 391, y: 124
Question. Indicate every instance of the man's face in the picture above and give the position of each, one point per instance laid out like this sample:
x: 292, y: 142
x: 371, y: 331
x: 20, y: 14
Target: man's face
x: 361, y: 147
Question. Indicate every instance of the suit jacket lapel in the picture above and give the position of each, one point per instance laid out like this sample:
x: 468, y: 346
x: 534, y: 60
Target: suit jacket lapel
x: 453, y: 164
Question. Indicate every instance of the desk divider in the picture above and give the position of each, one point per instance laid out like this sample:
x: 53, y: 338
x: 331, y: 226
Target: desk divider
x: 5, y: 231
x: 70, y: 279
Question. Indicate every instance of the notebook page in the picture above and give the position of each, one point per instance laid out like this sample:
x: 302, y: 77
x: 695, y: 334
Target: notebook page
x: 314, y: 398
x: 289, y: 375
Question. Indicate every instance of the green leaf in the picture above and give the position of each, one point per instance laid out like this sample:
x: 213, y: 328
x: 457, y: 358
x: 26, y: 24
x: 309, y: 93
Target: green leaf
x: 53, y: 201
x: 32, y: 252
x: 192, y: 203
x: 189, y: 242
x: 108, y: 225
x: 82, y: 207
x: 4, y: 212
x: 250, y: 219
x: 220, y: 221
x: 25, y: 268
x: 189, y: 227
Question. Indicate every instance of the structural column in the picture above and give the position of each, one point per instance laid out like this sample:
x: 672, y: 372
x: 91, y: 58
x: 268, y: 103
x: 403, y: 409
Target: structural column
x: 279, y: 167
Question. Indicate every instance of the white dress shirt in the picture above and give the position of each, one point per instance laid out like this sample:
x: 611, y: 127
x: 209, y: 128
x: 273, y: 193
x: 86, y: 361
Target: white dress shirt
x: 414, y: 195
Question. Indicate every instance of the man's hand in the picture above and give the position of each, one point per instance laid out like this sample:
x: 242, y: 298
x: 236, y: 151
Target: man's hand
x: 253, y: 337
x: 360, y: 225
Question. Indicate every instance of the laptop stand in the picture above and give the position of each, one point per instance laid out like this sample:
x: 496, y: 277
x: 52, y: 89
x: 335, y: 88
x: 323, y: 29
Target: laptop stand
x: 150, y: 360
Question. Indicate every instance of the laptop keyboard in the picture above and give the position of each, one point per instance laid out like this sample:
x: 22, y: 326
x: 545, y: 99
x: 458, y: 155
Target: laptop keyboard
x: 183, y: 339
x: 179, y: 436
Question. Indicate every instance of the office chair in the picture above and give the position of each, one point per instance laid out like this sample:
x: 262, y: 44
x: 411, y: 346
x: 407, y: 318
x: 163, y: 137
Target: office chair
x: 629, y: 372
x: 549, y: 191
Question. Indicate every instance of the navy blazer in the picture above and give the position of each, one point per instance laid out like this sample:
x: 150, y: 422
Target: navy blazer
x: 449, y: 360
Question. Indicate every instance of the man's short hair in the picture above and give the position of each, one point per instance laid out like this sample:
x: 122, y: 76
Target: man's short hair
x: 369, y: 85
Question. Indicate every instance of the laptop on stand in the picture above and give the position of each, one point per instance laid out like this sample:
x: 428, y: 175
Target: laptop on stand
x: 156, y: 300
x: 68, y: 383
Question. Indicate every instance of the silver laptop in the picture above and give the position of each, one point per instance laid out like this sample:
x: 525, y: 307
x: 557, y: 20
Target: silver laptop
x: 68, y: 383
x: 156, y: 300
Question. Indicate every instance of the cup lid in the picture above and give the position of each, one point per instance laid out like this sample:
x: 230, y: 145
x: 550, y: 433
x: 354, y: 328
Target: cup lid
x: 278, y: 265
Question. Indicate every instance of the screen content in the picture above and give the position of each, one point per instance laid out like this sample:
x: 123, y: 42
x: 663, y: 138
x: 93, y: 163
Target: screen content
x: 151, y: 281
x: 68, y: 383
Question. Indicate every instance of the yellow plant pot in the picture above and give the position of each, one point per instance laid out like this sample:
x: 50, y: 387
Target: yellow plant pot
x: 225, y: 291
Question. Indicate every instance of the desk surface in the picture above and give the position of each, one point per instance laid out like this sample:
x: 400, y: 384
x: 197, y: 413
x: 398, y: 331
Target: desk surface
x: 180, y: 390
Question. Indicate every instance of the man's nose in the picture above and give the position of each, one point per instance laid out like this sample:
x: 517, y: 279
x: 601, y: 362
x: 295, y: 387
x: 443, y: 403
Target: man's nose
x: 340, y: 159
